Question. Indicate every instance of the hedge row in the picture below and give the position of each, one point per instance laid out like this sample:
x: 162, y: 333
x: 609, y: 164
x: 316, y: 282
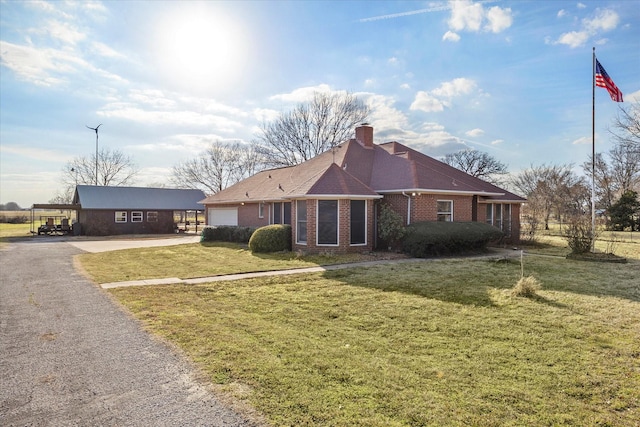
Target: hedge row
x: 226, y: 233
x: 446, y: 238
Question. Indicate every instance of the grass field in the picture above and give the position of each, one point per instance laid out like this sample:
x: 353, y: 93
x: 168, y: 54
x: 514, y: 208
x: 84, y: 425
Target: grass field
x: 198, y: 260
x: 436, y: 343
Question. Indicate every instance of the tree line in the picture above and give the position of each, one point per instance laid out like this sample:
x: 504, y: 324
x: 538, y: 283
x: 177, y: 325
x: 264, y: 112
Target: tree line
x: 554, y: 192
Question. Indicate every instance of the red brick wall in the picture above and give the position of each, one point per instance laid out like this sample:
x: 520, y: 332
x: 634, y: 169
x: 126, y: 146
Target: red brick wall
x: 424, y: 207
x: 248, y: 215
x: 344, y: 232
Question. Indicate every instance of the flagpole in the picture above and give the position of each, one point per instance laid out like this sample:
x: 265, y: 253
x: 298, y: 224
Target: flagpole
x: 593, y: 153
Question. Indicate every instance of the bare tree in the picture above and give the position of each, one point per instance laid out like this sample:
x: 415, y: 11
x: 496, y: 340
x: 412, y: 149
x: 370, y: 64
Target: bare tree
x: 220, y: 166
x: 626, y: 126
x: 552, y: 190
x: 477, y: 163
x: 619, y: 174
x: 114, y: 169
x: 311, y: 128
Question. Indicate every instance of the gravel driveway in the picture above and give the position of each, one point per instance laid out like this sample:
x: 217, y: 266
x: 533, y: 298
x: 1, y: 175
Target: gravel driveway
x: 69, y: 356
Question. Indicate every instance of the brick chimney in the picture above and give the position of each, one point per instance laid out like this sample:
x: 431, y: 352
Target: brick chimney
x: 364, y: 135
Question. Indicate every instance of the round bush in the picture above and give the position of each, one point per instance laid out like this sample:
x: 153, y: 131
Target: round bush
x: 271, y: 238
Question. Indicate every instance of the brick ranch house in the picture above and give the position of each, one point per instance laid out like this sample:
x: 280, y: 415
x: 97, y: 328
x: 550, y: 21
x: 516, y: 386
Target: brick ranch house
x: 332, y: 201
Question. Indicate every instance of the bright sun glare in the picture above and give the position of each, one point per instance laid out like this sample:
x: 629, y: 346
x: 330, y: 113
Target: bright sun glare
x: 200, y: 49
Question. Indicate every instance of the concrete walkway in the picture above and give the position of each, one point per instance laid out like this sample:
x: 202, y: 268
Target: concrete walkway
x: 494, y: 254
x: 105, y: 245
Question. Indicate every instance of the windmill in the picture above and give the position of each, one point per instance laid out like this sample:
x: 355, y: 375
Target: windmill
x: 96, y: 129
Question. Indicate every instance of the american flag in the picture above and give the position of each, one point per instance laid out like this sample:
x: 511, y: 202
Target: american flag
x: 603, y: 80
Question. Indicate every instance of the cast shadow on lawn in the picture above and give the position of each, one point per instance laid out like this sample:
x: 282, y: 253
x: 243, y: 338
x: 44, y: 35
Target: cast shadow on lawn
x: 474, y: 282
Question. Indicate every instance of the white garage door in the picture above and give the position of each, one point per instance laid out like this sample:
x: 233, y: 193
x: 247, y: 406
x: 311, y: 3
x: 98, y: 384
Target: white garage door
x: 223, y: 216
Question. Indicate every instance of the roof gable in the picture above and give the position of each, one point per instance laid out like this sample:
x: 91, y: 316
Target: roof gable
x: 336, y: 181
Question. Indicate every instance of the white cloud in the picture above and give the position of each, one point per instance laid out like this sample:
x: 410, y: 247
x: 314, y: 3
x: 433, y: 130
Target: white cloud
x: 36, y: 65
x: 451, y: 36
x: 466, y: 15
x: 561, y: 13
x: 469, y: 16
x: 581, y: 5
x: 573, y: 39
x: 383, y: 115
x: 123, y: 110
x: 604, y: 20
x: 474, y: 132
x: 582, y: 141
x: 393, y: 61
x: 427, y: 103
x: 499, y: 19
x: 63, y: 31
x: 455, y: 87
x: 632, y: 97
x: 441, y: 96
x: 497, y: 141
x: 104, y: 50
x: 301, y: 94
x: 265, y: 114
x: 405, y: 86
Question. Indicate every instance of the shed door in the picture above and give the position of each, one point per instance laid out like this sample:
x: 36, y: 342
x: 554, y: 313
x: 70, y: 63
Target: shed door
x: 223, y: 216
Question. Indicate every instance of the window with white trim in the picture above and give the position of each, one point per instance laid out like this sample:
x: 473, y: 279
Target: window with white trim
x: 152, y: 216
x: 301, y: 222
x: 327, y: 222
x: 260, y: 210
x: 136, y: 216
x: 121, y: 216
x: 445, y: 210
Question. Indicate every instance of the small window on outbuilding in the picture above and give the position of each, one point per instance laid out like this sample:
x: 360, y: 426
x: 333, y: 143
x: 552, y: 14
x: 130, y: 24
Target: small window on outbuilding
x: 136, y: 216
x: 121, y: 216
x: 152, y: 216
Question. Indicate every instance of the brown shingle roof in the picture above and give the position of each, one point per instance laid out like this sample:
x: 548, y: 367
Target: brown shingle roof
x: 353, y: 170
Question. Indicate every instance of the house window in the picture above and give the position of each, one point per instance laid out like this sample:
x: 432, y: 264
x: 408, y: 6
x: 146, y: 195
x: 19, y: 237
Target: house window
x: 121, y: 216
x: 327, y: 222
x: 358, y: 222
x: 136, y: 216
x: 286, y: 208
x: 281, y: 213
x: 445, y: 210
x: 152, y: 216
x: 499, y: 215
x: 260, y: 210
x: 277, y: 213
x: 301, y: 222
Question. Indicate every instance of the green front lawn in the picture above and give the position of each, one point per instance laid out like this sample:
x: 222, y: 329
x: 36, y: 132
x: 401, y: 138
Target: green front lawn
x: 433, y: 343
x: 197, y: 260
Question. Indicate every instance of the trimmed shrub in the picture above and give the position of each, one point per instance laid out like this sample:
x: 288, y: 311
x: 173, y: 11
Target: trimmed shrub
x: 226, y: 233
x: 437, y: 238
x: 391, y: 227
x: 271, y: 238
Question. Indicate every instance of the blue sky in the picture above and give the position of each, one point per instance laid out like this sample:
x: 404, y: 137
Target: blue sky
x: 512, y: 78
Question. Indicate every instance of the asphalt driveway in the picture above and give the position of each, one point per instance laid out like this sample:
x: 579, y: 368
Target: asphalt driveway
x: 70, y: 356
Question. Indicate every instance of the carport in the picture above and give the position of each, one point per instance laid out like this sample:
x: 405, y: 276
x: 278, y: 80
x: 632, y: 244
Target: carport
x: 48, y: 222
